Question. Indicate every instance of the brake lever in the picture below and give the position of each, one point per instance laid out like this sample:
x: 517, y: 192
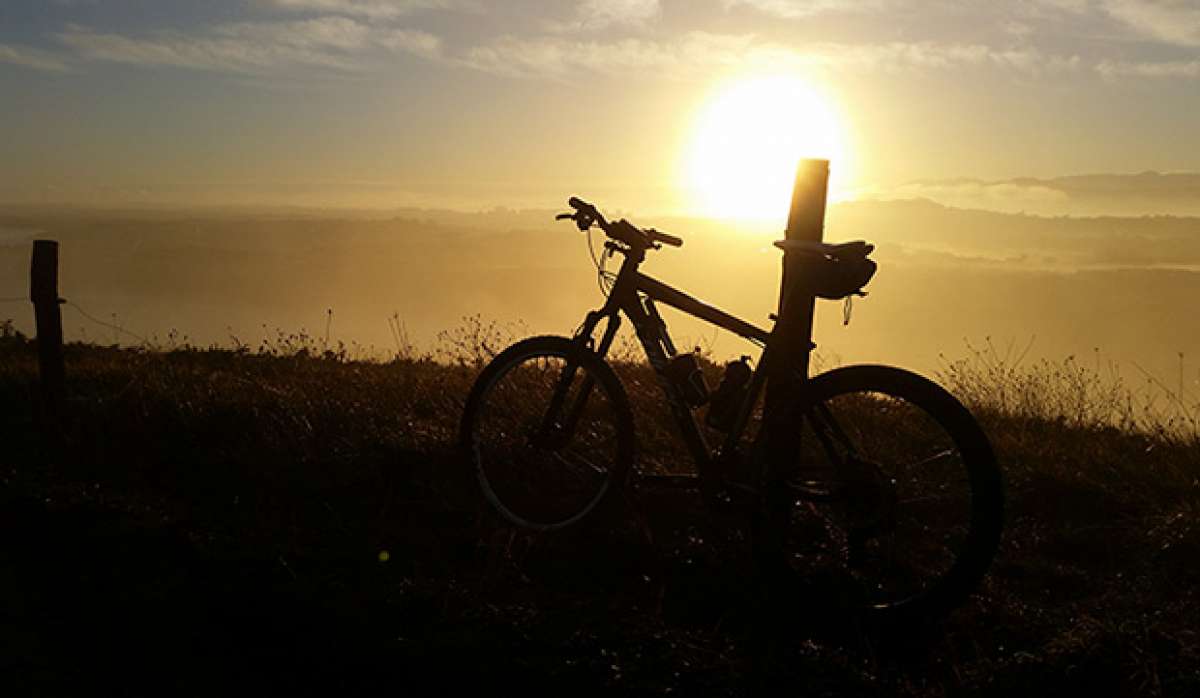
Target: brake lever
x: 565, y: 217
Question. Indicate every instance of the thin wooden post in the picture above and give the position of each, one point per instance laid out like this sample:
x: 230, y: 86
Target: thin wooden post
x: 797, y: 302
x: 787, y: 363
x: 43, y: 291
x: 791, y: 341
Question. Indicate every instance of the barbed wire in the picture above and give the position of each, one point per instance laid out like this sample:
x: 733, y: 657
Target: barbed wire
x: 109, y: 325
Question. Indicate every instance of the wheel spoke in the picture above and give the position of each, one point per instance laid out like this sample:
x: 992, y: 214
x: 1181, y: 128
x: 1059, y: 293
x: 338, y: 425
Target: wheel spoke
x: 586, y: 463
x: 550, y: 430
x: 898, y: 511
x: 946, y: 453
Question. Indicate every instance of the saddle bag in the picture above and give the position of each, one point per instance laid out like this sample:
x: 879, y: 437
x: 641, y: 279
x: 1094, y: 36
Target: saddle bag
x: 834, y: 278
x: 832, y: 272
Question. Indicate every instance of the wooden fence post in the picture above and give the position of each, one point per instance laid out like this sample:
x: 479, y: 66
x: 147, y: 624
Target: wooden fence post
x: 43, y: 291
x: 787, y: 367
x: 806, y: 222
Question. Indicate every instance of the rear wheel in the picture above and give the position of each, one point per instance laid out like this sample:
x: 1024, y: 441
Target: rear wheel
x: 892, y: 484
x: 548, y: 429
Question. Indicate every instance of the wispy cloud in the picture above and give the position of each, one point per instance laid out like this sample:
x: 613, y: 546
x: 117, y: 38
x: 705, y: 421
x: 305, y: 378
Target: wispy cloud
x: 355, y: 35
x: 412, y: 41
x: 973, y: 193
x: 1149, y: 69
x: 253, y: 47
x: 597, y: 14
x: 699, y: 52
x: 594, y: 15
x: 31, y: 58
x: 1095, y: 194
x: 795, y: 9
x: 303, y: 35
x: 371, y: 9
x: 1170, y: 21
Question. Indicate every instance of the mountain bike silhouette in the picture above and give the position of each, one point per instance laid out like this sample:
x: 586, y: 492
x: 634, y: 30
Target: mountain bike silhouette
x: 874, y: 469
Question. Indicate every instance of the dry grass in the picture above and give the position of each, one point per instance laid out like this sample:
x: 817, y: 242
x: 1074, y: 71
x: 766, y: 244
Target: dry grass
x: 299, y: 455
x: 1084, y: 396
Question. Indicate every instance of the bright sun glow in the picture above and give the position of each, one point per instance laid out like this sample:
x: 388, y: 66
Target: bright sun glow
x: 747, y: 143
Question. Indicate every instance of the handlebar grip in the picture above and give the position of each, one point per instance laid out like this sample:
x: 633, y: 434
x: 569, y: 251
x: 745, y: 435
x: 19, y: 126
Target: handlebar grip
x: 667, y: 239
x: 579, y: 204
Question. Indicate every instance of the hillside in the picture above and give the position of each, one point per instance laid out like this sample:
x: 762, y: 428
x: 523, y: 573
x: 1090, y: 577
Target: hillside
x: 291, y: 520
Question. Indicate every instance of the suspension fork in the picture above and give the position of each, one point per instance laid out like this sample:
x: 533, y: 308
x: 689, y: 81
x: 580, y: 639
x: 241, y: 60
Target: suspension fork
x: 582, y: 341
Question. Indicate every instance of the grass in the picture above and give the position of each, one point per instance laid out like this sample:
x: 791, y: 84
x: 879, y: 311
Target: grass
x: 305, y: 511
x: 1073, y: 393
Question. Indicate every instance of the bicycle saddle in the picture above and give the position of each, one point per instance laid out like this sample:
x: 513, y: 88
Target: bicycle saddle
x: 843, y: 250
x: 839, y: 251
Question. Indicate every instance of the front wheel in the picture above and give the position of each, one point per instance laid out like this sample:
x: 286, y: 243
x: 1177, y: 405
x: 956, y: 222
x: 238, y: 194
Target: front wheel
x: 886, y: 478
x: 548, y: 429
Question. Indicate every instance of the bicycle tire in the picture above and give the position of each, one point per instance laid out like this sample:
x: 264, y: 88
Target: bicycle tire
x: 869, y: 499
x: 519, y: 451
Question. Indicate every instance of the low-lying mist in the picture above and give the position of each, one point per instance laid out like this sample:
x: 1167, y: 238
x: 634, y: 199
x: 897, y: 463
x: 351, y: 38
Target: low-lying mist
x: 1113, y: 292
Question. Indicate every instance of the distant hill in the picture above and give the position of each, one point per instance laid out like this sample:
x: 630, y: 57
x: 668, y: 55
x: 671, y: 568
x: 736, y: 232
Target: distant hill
x: 1043, y: 241
x: 1144, y: 193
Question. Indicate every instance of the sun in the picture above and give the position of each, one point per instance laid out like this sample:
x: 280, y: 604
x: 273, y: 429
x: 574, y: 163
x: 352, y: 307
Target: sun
x: 747, y: 141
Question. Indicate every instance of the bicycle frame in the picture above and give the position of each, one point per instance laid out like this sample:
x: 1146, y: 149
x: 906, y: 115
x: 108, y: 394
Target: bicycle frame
x: 636, y: 294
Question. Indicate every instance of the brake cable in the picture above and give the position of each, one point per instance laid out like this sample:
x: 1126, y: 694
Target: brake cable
x: 599, y: 263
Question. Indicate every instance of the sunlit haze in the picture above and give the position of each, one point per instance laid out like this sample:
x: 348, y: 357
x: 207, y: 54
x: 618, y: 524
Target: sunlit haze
x: 1027, y: 169
x: 746, y: 143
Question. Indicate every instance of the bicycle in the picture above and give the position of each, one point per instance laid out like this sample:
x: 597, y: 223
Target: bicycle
x: 549, y: 430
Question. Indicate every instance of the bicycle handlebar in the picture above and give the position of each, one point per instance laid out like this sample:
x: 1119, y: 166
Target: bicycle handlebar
x: 664, y: 238
x: 580, y: 205
x: 622, y: 231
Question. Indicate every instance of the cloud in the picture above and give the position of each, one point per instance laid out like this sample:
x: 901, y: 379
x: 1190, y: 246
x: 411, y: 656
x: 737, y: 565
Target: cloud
x: 1072, y: 6
x: 370, y: 9
x: 303, y: 35
x: 412, y: 41
x: 796, y: 9
x: 971, y: 193
x: 1096, y: 194
x: 597, y: 14
x: 698, y: 52
x: 559, y: 57
x: 594, y: 15
x: 1175, y: 22
x: 253, y: 47
x: 1149, y: 69
x: 31, y: 58
x: 1169, y: 21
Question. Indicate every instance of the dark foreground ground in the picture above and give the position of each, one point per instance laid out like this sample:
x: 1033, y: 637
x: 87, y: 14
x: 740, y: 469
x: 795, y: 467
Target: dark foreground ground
x: 230, y: 523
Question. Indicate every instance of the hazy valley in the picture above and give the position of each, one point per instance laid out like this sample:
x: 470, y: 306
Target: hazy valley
x: 948, y: 278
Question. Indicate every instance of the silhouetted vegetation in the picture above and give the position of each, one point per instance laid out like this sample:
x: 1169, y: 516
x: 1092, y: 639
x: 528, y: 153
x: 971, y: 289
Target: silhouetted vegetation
x: 287, y: 517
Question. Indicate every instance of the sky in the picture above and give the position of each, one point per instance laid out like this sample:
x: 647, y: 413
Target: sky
x: 472, y: 104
